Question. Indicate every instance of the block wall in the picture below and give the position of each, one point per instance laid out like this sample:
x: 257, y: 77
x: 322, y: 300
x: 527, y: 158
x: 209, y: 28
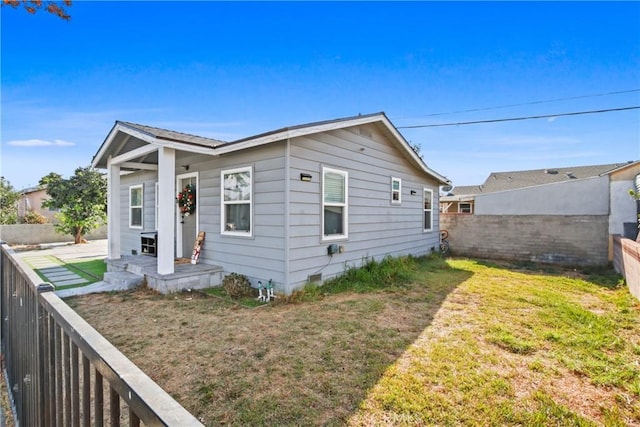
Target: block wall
x: 566, y: 240
x: 626, y: 260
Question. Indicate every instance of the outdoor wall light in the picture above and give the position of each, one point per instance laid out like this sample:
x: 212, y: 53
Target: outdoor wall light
x: 413, y: 192
x: 306, y: 177
x: 186, y: 167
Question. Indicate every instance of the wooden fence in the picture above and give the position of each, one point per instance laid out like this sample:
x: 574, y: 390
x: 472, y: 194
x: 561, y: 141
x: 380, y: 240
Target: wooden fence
x: 626, y: 261
x: 62, y: 372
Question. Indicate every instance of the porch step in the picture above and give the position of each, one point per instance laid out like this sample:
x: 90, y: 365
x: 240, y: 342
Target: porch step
x: 123, y: 280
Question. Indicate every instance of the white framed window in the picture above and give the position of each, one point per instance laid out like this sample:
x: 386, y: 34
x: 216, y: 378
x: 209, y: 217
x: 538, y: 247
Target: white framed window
x: 135, y: 206
x: 237, y: 201
x: 396, y: 190
x: 465, y: 208
x: 427, y: 209
x: 157, y: 206
x: 335, y: 210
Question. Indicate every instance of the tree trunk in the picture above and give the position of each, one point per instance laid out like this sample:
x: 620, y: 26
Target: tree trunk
x: 78, y: 236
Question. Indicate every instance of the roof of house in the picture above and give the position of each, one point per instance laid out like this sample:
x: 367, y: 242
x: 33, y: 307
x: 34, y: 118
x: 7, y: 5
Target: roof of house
x: 501, y: 181
x: 171, y: 135
x: 118, y: 141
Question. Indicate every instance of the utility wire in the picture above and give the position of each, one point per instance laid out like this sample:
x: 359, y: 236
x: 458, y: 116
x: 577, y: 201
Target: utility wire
x: 472, y: 110
x: 513, y: 119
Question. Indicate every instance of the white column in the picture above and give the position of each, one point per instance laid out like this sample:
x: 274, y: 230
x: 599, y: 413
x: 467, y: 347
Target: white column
x: 166, y: 209
x: 113, y: 210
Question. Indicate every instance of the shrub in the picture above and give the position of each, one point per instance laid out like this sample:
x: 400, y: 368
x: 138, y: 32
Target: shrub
x: 33, y: 217
x: 237, y: 286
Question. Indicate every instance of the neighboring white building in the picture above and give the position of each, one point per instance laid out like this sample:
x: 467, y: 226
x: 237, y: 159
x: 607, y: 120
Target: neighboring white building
x: 567, y: 191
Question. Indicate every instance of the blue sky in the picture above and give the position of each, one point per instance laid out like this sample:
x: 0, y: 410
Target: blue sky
x: 231, y: 70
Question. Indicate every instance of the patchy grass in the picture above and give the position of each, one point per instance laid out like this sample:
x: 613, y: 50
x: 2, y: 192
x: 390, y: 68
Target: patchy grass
x: 404, y: 342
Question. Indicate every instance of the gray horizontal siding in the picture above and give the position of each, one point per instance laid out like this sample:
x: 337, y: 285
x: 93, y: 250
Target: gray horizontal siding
x: 130, y: 240
x: 260, y: 257
x: 377, y: 227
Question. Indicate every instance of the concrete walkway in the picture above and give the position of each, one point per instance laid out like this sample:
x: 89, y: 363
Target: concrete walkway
x: 51, y: 261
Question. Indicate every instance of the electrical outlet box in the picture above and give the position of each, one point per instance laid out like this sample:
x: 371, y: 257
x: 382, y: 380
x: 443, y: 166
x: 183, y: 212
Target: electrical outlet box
x: 332, y: 249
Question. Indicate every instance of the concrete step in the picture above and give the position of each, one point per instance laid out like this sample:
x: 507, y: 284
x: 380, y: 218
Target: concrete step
x: 123, y: 280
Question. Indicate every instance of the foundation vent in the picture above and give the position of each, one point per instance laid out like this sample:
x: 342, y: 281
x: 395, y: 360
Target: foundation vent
x: 315, y: 278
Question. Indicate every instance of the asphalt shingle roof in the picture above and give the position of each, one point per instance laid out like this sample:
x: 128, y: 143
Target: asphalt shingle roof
x: 171, y: 135
x: 501, y: 181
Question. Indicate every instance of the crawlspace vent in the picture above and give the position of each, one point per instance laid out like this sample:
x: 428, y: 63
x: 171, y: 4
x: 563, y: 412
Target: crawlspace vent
x: 315, y: 278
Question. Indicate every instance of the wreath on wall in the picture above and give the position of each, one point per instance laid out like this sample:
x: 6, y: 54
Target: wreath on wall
x: 187, y: 200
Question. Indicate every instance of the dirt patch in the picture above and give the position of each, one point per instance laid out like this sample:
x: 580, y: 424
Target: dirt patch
x: 280, y: 364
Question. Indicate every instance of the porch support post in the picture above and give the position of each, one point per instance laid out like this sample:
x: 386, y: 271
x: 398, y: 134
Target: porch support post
x: 166, y: 204
x: 113, y: 210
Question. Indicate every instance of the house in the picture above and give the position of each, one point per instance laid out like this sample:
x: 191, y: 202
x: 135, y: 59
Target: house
x: 564, y: 215
x: 461, y: 201
x: 292, y: 205
x: 31, y: 201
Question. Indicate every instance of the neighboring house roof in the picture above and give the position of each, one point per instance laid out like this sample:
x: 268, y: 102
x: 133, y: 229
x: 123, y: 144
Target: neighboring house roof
x: 32, y: 190
x: 501, y: 181
x: 118, y: 141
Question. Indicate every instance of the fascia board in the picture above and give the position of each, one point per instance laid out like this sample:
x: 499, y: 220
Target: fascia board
x: 293, y: 133
x: 150, y: 139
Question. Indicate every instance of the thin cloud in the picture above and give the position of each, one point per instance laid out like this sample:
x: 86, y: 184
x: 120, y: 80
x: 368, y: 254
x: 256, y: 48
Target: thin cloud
x: 40, y: 143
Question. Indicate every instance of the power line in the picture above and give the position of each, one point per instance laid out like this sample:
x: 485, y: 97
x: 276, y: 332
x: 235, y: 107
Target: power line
x: 472, y: 110
x: 512, y: 119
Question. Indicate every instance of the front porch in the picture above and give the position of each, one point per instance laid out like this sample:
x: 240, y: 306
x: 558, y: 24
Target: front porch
x: 185, y: 275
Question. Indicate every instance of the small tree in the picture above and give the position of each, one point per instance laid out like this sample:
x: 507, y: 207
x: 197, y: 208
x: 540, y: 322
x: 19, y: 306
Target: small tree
x: 8, y: 203
x: 81, y: 201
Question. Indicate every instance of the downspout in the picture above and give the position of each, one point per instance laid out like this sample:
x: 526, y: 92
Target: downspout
x: 287, y: 213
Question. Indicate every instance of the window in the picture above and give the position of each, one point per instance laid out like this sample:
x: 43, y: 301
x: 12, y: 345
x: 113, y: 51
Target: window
x: 237, y: 201
x: 428, y: 210
x: 465, y: 208
x: 396, y: 190
x: 135, y: 206
x: 334, y: 203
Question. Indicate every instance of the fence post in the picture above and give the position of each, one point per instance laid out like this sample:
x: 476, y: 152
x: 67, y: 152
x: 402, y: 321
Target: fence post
x: 42, y: 357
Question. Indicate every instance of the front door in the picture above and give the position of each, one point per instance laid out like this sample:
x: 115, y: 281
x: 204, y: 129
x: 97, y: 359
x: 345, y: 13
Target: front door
x: 187, y: 225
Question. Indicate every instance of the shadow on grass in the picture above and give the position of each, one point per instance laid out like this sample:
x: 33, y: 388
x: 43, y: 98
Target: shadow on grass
x: 308, y: 362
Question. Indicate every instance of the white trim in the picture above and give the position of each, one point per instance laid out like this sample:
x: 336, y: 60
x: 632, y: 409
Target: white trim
x: 296, y: 132
x: 113, y: 211
x: 399, y: 190
x: 287, y: 216
x: 140, y: 166
x: 157, y: 208
x: 344, y: 205
x: 179, y: 236
x: 333, y: 125
x: 223, y: 204
x: 134, y: 154
x: 166, y: 217
x: 154, y: 142
x: 424, y: 192
x: 141, y: 206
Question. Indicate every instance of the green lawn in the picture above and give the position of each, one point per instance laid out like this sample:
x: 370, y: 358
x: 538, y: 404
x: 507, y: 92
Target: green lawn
x: 90, y: 270
x: 416, y: 341
x: 519, y: 348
